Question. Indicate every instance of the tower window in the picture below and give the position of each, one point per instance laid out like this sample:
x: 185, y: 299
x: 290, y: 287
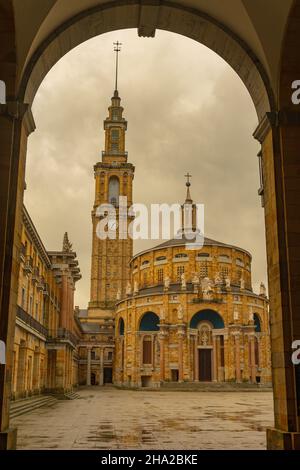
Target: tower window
x: 113, y: 190
x: 115, y: 114
x: 114, y: 135
x: 114, y: 139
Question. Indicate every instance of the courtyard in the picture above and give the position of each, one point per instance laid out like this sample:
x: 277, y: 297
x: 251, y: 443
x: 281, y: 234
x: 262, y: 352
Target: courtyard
x: 109, y: 418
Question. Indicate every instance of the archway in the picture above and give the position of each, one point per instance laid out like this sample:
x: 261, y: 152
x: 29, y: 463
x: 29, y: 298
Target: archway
x: 208, y: 346
x: 209, y: 315
x: 280, y: 150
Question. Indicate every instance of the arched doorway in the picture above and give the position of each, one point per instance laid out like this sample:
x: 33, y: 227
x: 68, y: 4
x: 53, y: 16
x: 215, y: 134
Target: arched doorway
x: 149, y: 347
x: 208, y: 340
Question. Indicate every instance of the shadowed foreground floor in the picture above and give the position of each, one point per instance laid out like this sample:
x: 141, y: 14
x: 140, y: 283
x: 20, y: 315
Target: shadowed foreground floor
x: 107, y: 418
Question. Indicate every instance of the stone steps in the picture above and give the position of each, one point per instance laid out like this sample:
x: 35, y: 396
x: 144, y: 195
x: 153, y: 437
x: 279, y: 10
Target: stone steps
x: 26, y: 405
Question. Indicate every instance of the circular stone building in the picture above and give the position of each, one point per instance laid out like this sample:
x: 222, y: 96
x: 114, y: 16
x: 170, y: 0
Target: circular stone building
x: 192, y: 316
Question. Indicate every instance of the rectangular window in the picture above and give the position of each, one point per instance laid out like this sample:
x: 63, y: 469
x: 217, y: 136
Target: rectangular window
x: 180, y: 271
x: 147, y: 351
x: 30, y: 306
x: 115, y: 114
x: 114, y: 135
x: 36, y: 310
x: 115, y: 146
x: 203, y: 269
x: 160, y: 275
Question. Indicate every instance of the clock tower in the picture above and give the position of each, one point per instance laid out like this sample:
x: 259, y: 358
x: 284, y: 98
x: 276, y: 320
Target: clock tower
x: 110, y: 270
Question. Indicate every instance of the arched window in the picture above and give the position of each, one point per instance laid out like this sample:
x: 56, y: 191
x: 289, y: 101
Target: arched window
x: 257, y: 323
x: 149, y: 322
x: 114, y: 136
x: 121, y: 327
x: 113, y: 190
x: 224, y: 259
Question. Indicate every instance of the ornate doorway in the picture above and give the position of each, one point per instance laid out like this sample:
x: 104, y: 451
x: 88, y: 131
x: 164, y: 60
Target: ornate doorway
x: 205, y: 368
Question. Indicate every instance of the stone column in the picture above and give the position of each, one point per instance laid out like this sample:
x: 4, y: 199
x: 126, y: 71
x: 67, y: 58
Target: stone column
x: 220, y: 377
x: 88, y: 366
x: 101, y: 378
x: 36, y: 371
x: 237, y: 357
x: 181, y: 335
x: 196, y: 357
x: 64, y: 301
x: 162, y: 335
x: 215, y: 359
x: 16, y: 123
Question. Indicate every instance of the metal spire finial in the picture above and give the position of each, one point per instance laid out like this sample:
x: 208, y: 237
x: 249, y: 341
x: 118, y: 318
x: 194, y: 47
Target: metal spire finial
x: 117, y: 49
x: 188, y: 184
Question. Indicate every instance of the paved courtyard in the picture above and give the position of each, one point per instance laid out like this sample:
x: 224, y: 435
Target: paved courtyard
x: 107, y: 418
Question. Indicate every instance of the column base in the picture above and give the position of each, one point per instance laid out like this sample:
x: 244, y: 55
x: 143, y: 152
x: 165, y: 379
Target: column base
x: 8, y: 439
x: 281, y: 440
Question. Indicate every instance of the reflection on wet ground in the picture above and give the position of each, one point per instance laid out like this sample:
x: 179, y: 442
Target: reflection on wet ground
x: 107, y: 418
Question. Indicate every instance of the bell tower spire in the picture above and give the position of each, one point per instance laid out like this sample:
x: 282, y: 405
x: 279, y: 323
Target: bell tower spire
x: 110, y: 271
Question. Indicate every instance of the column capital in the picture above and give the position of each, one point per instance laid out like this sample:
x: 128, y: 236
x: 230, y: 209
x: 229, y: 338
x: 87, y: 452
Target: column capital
x: 271, y: 120
x: 18, y: 110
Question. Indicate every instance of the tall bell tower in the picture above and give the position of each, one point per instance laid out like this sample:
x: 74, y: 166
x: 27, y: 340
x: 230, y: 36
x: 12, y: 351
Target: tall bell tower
x: 113, y: 178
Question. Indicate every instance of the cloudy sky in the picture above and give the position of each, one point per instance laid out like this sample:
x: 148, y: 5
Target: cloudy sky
x: 186, y: 111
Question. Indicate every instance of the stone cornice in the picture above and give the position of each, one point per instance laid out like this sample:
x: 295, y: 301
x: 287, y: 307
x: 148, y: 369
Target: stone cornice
x: 284, y: 117
x: 29, y: 225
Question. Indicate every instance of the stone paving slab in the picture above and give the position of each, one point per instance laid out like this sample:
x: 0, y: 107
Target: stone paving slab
x: 108, y: 418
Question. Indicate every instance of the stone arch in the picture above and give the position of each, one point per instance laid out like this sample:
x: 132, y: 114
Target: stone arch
x: 209, y: 315
x: 125, y: 14
x: 149, y: 322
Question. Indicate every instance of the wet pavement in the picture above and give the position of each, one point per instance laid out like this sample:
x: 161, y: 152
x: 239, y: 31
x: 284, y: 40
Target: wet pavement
x: 108, y: 418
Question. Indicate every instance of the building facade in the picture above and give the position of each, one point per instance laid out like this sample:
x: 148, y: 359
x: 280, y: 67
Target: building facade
x: 192, y: 316
x: 45, y: 357
x: 168, y: 314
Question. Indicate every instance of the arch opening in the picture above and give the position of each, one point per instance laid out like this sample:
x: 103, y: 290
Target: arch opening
x: 210, y: 316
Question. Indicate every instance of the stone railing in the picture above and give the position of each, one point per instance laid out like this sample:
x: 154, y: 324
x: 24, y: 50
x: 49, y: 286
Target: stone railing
x: 30, y: 321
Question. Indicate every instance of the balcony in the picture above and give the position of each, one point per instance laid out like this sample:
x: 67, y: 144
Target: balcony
x: 35, y: 276
x: 62, y: 335
x: 30, y: 321
x: 28, y: 265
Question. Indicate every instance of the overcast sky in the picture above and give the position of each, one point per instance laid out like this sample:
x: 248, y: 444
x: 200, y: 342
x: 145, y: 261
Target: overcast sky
x: 186, y: 111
